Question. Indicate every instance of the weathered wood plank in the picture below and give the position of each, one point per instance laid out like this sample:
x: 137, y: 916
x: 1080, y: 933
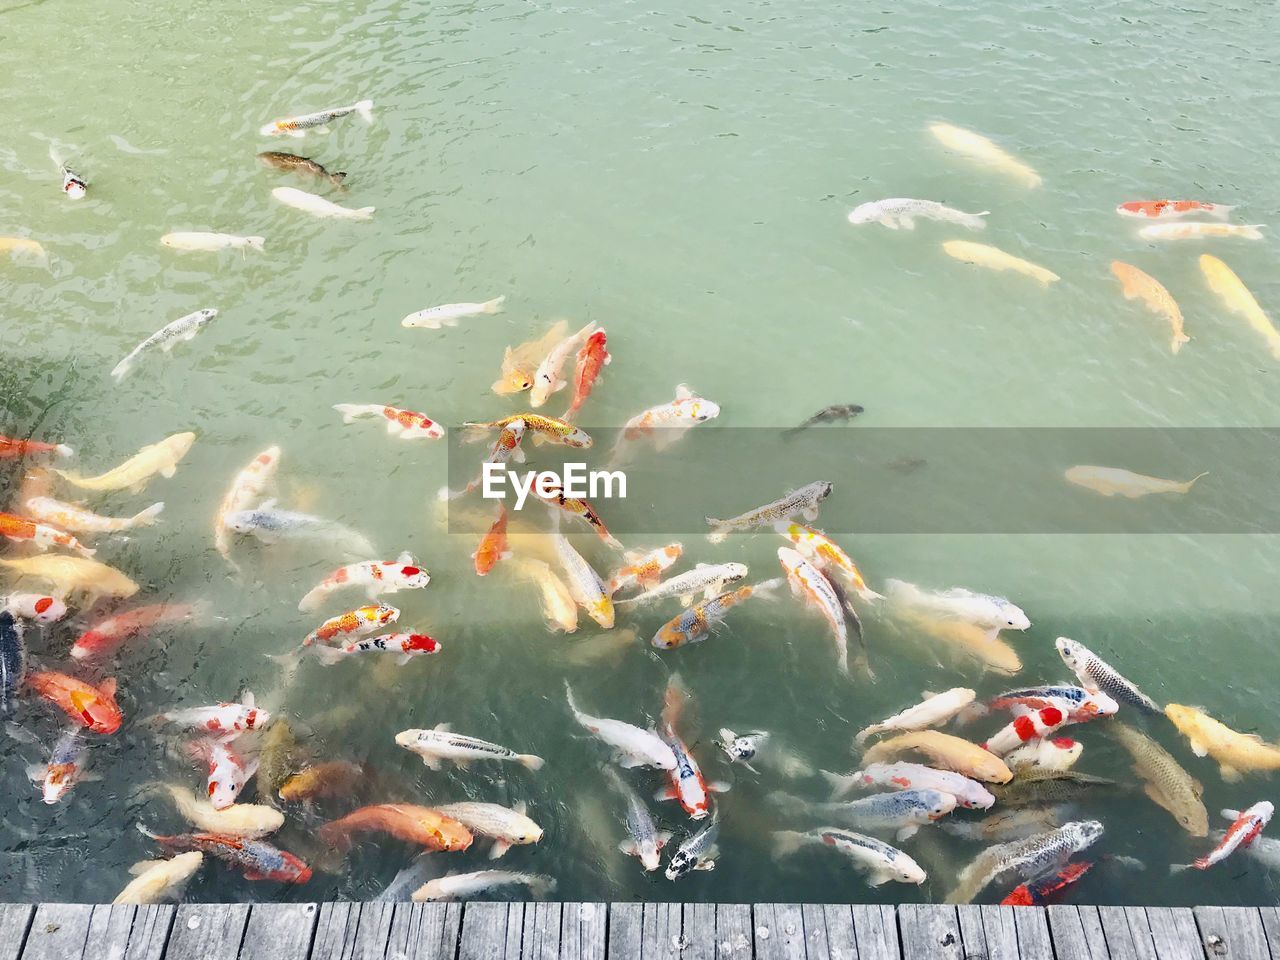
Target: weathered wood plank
x: 540, y: 937
x: 1128, y: 933
x: 814, y: 923
x: 207, y: 931
x: 1033, y: 933
x: 876, y: 930
x: 1271, y: 925
x: 779, y: 933
x: 969, y: 916
x: 487, y: 931
x: 352, y: 931
x: 700, y: 931
x: 279, y: 931
x: 1174, y: 933
x: 841, y: 940
x: 108, y: 934
x: 626, y: 926
x: 15, y: 921
x: 1091, y: 924
x: 424, y: 931
x: 1000, y: 930
x: 1232, y: 932
x: 736, y: 928
x: 583, y: 927
x: 663, y: 928
x: 930, y: 931
x: 58, y: 931
x: 1072, y: 940
x: 149, y: 936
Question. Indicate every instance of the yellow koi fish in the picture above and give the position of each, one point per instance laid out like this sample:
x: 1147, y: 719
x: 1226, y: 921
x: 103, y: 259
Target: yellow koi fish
x: 67, y: 575
x: 1137, y: 285
x: 520, y: 364
x: 549, y: 428
x: 993, y: 258
x: 1236, y: 753
x: 1223, y: 281
x: 557, y: 602
x: 133, y: 474
x: 977, y: 147
x: 1200, y: 231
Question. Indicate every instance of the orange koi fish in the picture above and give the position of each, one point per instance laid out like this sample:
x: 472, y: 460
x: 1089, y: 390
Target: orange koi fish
x: 421, y: 825
x: 493, y: 546
x: 11, y: 449
x: 93, y: 708
x: 644, y: 570
x: 40, y: 534
x: 592, y: 358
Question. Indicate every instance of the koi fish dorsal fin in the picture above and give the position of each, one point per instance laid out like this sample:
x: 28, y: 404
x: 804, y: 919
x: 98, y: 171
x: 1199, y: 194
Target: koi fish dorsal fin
x: 443, y: 727
x: 142, y: 866
x: 247, y: 699
x: 108, y: 686
x: 683, y: 392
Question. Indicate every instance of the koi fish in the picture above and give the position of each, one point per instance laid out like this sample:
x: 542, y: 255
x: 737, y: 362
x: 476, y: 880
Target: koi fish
x: 298, y: 126
x: 576, y: 507
x: 993, y: 258
x: 1051, y: 753
x: 901, y: 213
x: 803, y: 501
x: 22, y: 247
x: 224, y: 721
x: 1201, y: 231
x: 40, y: 535
x: 585, y: 586
x: 245, y: 820
x: 247, y: 486
x: 811, y: 586
x: 1165, y: 782
x: 68, y: 575
x: 644, y: 840
x: 977, y: 147
x: 448, y: 314
x: 547, y: 378
x: 633, y: 747
x: 644, y: 570
x: 133, y: 474
x: 1171, y: 209
x: 968, y: 793
x: 686, y: 783
x: 1031, y: 786
x: 292, y: 163
x: 12, y: 449
x: 520, y: 364
x: 668, y: 422
x: 980, y: 609
x: 405, y: 424
x: 182, y: 330
x: 359, y: 622
x: 189, y: 240
x: 1039, y: 717
x: 462, y: 886
x: 76, y: 519
x: 705, y: 578
x: 404, y: 646
x: 820, y: 550
x: 592, y: 358
x: 506, y: 827
x: 426, y: 826
x: 696, y: 623
x: 1113, y: 481
x: 551, y: 429
x: 228, y: 772
x: 105, y: 637
x: 93, y: 708
x: 377, y: 577
x: 1029, y: 858
x: 1235, y: 753
x: 34, y: 606
x: 698, y: 852
x: 493, y: 545
x: 1095, y: 675
x: 157, y: 880
x: 881, y: 862
x: 506, y: 447
x: 558, y: 606
x: 1247, y: 825
x: 837, y: 411
x: 934, y: 711
x: 1038, y: 893
x: 269, y: 524
x: 337, y: 778
x: 73, y: 185
x: 1138, y: 285
x: 903, y: 811
x: 256, y: 859
x: 318, y: 206
x: 945, y: 751
x: 440, y: 744
x: 1232, y: 292
x: 1008, y: 825
x: 763, y: 747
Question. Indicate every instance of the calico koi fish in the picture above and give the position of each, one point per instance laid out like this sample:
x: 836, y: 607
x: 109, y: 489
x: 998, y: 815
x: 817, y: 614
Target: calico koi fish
x: 66, y: 767
x: 698, y: 852
x: 359, y: 622
x: 576, y: 507
x: 93, y: 708
x: 68, y: 516
x: 256, y: 859
x: 405, y: 424
x: 696, y: 623
x: 1038, y: 893
x: 223, y: 721
x: 1029, y: 858
x: 377, y: 577
x: 644, y: 570
x: 819, y: 549
x: 686, y: 782
x: 551, y: 429
x: 592, y: 358
x: 810, y: 585
x: 247, y: 486
x: 403, y: 647
x: 667, y: 422
x: 40, y: 535
x: 103, y: 638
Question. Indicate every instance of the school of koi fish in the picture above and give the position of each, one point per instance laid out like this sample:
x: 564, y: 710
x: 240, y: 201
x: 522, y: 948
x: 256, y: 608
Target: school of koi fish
x: 997, y: 770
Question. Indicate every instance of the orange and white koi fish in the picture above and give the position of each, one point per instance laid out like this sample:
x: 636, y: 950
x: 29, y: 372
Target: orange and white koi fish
x: 1137, y: 285
x: 12, y: 449
x: 93, y: 708
x: 222, y: 721
x: 644, y: 570
x: 1246, y: 828
x: 667, y: 422
x: 585, y: 585
x: 66, y: 767
x: 808, y: 583
x: 133, y: 474
x: 552, y: 429
x: 548, y: 378
x: 977, y: 147
x: 34, y: 606
x: 520, y: 364
x: 76, y: 519
x: 298, y: 126
x: 41, y: 535
x: 249, y: 485
x: 68, y: 575
x: 558, y: 606
x: 696, y: 623
x: 577, y: 507
x: 1171, y: 209
x: 448, y: 314
x: 687, y: 784
x: 592, y: 358
x: 816, y: 547
x: 359, y: 622
x: 405, y: 424
x: 228, y: 771
x: 1229, y: 288
x: 1201, y: 231
x: 493, y: 545
x: 378, y: 577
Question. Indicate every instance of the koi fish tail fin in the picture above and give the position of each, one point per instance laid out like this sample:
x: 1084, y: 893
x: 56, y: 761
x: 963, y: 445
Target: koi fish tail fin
x: 529, y: 761
x: 255, y: 243
x: 718, y: 534
x: 121, y: 369
x: 787, y: 842
x: 351, y: 412
x: 1177, y: 868
x: 365, y: 109
x: 364, y: 213
x: 338, y: 179
x: 866, y: 732
x: 840, y: 783
x: 149, y: 834
x: 1178, y: 341
x: 149, y: 516
x: 1252, y: 231
x: 1184, y: 487
x: 494, y: 305
x: 290, y: 661
x: 312, y: 599
x: 64, y: 451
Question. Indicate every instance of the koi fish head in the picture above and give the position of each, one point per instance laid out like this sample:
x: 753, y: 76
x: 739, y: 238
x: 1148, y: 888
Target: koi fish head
x: 256, y: 719
x: 38, y: 608
x: 701, y: 410
x: 1072, y: 653
x: 1014, y: 618
x: 58, y: 781
x: 577, y: 437
x: 419, y: 643
x: 670, y: 637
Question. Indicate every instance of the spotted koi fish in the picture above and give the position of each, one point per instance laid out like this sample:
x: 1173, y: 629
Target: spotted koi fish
x: 405, y: 424
x: 11, y: 449
x: 580, y: 508
x: 1171, y: 209
x: 405, y: 646
x: 298, y: 126
x: 687, y: 784
x: 552, y: 429
x: 41, y: 535
x: 693, y: 625
x: 223, y: 720
x: 819, y: 549
x: 376, y: 576
x: 354, y: 623
x: 644, y: 570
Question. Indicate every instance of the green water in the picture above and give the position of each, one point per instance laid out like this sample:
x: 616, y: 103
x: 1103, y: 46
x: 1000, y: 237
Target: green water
x: 681, y: 176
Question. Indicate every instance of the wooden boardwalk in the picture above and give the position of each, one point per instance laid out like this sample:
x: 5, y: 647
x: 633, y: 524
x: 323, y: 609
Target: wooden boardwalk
x: 650, y: 931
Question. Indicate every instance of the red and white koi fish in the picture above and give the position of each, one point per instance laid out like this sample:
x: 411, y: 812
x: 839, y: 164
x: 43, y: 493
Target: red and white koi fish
x: 1058, y: 753
x: 248, y: 486
x: 93, y: 708
x: 667, y: 422
x: 1246, y: 827
x: 818, y: 548
x: 34, y: 606
x: 228, y: 772
x: 547, y: 379
x: 687, y: 785
x: 644, y: 570
x: 41, y: 535
x: 808, y: 583
x: 13, y: 449
x: 592, y: 358
x: 224, y: 721
x: 1171, y: 209
x: 493, y: 545
x: 1039, y: 714
x: 405, y: 646
x: 105, y: 637
x: 378, y: 577
x: 405, y: 424
x: 354, y: 623
x: 75, y: 519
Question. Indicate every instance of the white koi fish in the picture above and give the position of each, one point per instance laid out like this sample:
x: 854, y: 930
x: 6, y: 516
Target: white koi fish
x: 463, y: 886
x: 76, y: 519
x: 318, y: 206
x: 1116, y: 481
x: 705, y: 578
x: 190, y: 240
x: 901, y: 213
x: 439, y: 744
x: 633, y: 746
x: 969, y: 793
x: 934, y: 711
x: 644, y: 840
x: 448, y: 314
x: 881, y: 862
x: 585, y: 585
x: 1201, y: 231
x: 977, y: 147
x: 549, y: 376
x: 247, y: 486
x: 505, y: 826
x: 980, y: 609
x: 376, y: 577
